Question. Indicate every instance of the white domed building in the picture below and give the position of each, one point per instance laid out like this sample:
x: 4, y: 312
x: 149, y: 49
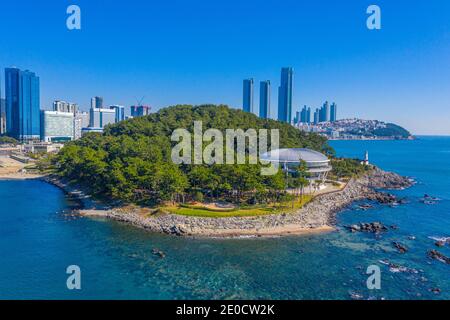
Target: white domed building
x: 317, y: 163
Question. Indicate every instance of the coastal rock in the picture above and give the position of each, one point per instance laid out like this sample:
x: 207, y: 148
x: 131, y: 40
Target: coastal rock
x: 158, y: 253
x: 355, y: 228
x: 436, y: 255
x: 401, y: 248
x: 365, y: 206
x: 383, y: 198
x: 396, y: 268
x: 176, y: 230
x: 373, y: 227
x: 388, y: 180
x: 435, y: 290
x: 356, y: 296
x: 439, y: 243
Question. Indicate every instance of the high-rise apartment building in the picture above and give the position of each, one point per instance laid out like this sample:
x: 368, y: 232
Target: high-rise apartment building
x: 285, y: 95
x: 22, y: 104
x: 264, y: 99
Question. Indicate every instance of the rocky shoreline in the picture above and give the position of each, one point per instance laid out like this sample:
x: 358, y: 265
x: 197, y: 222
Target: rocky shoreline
x: 317, y: 216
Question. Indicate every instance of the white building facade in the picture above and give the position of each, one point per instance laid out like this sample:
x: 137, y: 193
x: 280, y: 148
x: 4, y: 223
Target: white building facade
x: 57, y: 126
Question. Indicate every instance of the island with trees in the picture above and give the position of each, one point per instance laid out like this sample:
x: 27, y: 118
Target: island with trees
x: 129, y: 169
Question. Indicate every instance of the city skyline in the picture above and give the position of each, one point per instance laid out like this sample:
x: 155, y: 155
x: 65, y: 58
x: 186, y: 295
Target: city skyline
x: 396, y: 74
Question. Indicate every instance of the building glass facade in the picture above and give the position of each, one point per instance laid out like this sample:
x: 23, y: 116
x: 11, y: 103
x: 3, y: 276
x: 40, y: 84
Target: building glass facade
x: 22, y: 104
x: 264, y: 99
x: 247, y: 104
x: 333, y: 112
x: 285, y: 95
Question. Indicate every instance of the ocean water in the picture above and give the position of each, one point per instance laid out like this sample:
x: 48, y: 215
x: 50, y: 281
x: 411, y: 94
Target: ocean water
x: 39, y: 238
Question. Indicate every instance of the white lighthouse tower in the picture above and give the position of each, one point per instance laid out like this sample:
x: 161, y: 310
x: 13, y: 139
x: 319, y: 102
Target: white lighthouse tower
x: 366, y: 159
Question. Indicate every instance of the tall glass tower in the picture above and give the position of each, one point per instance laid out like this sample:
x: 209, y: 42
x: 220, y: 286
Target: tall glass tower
x: 22, y: 104
x: 285, y: 95
x: 247, y: 105
x: 333, y: 112
x: 264, y: 99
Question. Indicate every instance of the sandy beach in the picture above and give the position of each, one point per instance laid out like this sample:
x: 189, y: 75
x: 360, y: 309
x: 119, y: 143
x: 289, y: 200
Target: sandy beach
x: 11, y: 169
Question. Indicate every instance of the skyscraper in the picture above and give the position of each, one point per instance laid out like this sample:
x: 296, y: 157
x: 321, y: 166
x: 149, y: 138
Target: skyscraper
x: 22, y: 104
x: 317, y: 116
x: 285, y: 95
x: 247, y: 104
x: 324, y: 113
x: 264, y: 99
x: 333, y: 112
x: 297, y: 117
x: 305, y: 115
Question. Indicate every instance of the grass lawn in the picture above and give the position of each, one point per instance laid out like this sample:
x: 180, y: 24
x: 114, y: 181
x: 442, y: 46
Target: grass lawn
x: 248, y: 211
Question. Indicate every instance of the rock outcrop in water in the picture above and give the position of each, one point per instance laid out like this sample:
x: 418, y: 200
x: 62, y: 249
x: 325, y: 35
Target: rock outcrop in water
x: 373, y: 227
x: 400, y: 247
x: 436, y: 255
x: 380, y: 179
x: 318, y: 214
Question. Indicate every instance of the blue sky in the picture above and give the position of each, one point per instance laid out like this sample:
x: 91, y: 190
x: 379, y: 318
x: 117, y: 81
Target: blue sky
x: 196, y: 51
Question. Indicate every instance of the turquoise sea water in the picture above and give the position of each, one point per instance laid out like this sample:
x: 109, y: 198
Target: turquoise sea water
x: 39, y: 239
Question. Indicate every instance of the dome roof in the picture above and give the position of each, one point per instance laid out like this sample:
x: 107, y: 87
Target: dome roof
x: 294, y: 155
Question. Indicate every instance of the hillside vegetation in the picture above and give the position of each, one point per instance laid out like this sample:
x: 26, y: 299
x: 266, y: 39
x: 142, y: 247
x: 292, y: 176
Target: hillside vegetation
x: 392, y: 130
